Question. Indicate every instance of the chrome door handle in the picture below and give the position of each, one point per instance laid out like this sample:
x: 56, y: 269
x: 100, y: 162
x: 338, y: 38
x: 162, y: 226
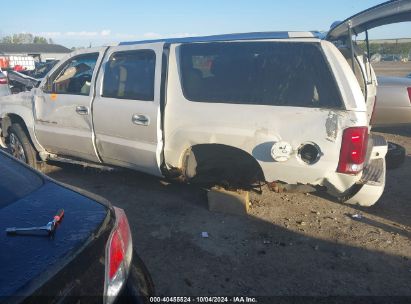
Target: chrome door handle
x: 82, y: 110
x: 140, y: 119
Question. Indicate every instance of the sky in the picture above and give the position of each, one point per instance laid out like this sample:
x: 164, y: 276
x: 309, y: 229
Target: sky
x: 77, y: 23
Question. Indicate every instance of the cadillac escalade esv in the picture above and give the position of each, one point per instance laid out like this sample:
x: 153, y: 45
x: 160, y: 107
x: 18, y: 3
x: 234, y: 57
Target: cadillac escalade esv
x: 276, y: 106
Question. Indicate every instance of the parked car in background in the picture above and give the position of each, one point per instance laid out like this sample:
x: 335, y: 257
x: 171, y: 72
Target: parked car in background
x: 4, y: 84
x: 20, y: 82
x: 393, y: 101
x: 26, y: 80
x: 87, y: 252
x: 41, y: 69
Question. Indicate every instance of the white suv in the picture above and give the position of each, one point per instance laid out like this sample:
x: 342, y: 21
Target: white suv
x: 284, y: 107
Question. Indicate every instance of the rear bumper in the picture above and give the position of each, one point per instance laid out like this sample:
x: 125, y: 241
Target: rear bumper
x: 368, y: 190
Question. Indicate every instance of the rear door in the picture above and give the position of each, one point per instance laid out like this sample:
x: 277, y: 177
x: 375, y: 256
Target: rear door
x: 386, y: 13
x: 126, y: 109
x: 379, y: 15
x: 63, y: 119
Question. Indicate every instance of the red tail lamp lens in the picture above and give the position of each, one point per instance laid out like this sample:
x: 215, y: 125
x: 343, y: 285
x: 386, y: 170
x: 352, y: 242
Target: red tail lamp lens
x: 353, y: 150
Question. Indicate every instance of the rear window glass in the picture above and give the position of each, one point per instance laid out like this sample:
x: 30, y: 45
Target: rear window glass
x: 262, y: 73
x: 130, y: 75
x: 16, y: 181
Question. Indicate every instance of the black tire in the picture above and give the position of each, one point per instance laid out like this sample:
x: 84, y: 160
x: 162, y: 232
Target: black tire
x: 20, y: 146
x: 395, y: 156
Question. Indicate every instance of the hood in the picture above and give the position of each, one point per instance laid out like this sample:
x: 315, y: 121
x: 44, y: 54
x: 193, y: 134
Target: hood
x: 26, y: 260
x: 386, y: 13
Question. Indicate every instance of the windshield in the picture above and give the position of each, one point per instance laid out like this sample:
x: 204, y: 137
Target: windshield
x: 16, y: 181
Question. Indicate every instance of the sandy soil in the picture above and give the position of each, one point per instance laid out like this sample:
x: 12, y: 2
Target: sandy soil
x: 290, y: 244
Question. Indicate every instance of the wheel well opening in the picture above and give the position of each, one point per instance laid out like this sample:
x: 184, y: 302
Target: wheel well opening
x: 221, y: 164
x: 10, y: 119
x: 6, y: 124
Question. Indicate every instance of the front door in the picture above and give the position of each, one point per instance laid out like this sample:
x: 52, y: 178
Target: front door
x: 63, y: 119
x: 126, y: 109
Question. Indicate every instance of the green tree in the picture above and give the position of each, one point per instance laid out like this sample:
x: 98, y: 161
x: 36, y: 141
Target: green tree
x: 40, y: 40
x: 386, y: 48
x: 7, y: 39
x: 24, y: 38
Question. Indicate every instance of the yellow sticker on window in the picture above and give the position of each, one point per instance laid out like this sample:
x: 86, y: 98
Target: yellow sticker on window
x: 53, y: 96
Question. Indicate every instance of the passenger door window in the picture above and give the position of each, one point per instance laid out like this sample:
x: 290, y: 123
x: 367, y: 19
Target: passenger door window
x: 130, y: 75
x: 75, y: 76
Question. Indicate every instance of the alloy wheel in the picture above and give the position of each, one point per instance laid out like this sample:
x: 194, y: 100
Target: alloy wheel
x: 16, y: 148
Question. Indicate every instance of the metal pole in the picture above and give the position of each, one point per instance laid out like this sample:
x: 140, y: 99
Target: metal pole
x: 368, y: 45
x: 367, y: 41
x: 351, y: 46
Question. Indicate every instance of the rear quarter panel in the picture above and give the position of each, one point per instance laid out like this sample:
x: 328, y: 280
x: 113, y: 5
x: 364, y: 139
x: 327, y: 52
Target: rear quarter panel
x: 254, y: 128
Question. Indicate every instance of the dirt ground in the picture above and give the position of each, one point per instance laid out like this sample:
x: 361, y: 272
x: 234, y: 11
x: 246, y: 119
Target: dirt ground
x: 399, y: 69
x: 290, y: 244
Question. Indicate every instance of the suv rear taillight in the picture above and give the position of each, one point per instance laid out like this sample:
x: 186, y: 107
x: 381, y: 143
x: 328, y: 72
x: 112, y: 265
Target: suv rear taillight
x: 119, y: 251
x: 3, y: 80
x: 409, y: 93
x: 353, y: 150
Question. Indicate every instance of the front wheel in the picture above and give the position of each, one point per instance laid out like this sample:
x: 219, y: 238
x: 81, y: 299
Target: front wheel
x: 20, y: 146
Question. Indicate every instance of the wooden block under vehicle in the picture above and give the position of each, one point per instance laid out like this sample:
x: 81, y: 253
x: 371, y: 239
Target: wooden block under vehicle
x: 231, y: 202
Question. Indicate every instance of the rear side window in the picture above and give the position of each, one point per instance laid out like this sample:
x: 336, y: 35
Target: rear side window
x: 261, y: 73
x: 130, y: 75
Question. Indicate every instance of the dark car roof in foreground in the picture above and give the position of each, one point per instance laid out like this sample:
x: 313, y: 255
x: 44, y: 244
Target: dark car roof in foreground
x: 230, y: 37
x: 27, y: 261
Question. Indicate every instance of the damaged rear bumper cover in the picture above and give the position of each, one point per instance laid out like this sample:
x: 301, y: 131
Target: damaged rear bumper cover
x: 368, y: 190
